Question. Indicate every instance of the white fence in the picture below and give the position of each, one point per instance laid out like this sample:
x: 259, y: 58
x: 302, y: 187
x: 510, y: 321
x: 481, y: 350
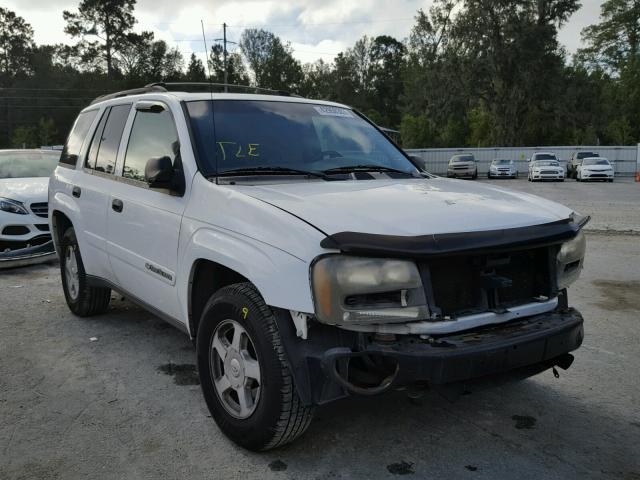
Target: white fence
x: 625, y: 160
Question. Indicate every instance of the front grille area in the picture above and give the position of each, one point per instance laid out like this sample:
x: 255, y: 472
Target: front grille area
x: 463, y: 285
x: 9, y: 245
x: 40, y: 209
x: 597, y: 175
x: 549, y: 172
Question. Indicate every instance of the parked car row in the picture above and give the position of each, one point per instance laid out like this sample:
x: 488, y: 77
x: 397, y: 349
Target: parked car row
x: 542, y: 166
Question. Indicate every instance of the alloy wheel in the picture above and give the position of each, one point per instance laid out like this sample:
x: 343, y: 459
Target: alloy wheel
x: 235, y: 369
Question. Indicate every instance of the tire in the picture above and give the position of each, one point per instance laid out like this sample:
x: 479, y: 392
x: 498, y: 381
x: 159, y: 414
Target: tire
x: 82, y: 299
x: 475, y: 175
x: 274, y: 414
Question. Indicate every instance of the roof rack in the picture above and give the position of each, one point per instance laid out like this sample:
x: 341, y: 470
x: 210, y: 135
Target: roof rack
x: 222, y: 87
x: 134, y: 91
x: 190, y: 86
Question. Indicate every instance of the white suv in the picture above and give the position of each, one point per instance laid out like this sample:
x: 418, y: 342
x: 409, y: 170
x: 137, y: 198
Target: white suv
x: 305, y: 253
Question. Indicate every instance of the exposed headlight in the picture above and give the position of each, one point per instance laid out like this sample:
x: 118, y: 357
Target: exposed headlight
x: 570, y: 260
x: 354, y: 290
x: 12, y: 206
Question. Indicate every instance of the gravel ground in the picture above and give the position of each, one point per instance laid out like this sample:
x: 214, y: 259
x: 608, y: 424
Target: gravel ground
x: 127, y: 405
x: 612, y: 206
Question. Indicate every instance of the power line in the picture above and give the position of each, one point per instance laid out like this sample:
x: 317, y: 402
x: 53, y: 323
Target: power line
x: 56, y: 89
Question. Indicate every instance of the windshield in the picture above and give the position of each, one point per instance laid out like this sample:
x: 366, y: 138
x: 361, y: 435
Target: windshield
x: 546, y: 163
x: 25, y: 164
x: 263, y: 136
x: 582, y: 155
x: 502, y: 162
x: 463, y: 158
x: 545, y: 156
x: 595, y: 161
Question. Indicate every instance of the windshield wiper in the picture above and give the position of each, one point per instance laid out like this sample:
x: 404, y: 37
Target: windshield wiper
x: 270, y: 171
x: 366, y: 168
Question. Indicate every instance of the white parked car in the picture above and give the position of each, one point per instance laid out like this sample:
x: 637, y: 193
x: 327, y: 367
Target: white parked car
x: 594, y: 168
x: 305, y: 253
x: 576, y: 160
x: 545, y: 166
x: 501, y: 168
x: 24, y: 225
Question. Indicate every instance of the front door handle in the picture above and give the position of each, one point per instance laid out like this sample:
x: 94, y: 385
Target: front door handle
x: 117, y: 205
x: 76, y: 191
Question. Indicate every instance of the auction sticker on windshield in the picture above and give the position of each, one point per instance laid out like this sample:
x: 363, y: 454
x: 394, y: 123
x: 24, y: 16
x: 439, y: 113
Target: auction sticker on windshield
x: 333, y: 111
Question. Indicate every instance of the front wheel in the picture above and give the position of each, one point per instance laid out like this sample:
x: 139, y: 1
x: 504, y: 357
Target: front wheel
x: 245, y: 376
x: 82, y: 299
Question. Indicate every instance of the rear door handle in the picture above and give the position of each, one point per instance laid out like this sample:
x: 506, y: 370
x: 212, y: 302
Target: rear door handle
x: 117, y: 205
x: 76, y: 191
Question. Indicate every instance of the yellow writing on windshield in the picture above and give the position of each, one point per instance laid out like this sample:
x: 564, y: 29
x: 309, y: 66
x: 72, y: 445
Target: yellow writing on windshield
x: 241, y: 150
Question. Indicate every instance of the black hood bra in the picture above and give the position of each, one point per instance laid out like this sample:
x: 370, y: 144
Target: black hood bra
x: 425, y: 246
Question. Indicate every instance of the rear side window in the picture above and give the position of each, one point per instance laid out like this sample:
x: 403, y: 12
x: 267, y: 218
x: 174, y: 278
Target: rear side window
x: 153, y: 135
x: 76, y: 137
x: 104, y: 146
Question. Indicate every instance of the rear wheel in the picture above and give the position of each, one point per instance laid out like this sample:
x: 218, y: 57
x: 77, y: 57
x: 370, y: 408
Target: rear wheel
x: 82, y: 299
x: 244, y: 372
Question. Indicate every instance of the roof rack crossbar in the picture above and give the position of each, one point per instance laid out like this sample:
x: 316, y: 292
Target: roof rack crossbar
x: 223, y: 86
x: 134, y: 91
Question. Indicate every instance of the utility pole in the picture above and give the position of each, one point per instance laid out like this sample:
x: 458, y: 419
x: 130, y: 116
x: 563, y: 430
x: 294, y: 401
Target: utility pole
x: 225, y: 54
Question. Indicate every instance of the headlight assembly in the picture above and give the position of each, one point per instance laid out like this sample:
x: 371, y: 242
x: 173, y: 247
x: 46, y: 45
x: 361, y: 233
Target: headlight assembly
x: 354, y: 290
x: 570, y: 260
x: 12, y: 206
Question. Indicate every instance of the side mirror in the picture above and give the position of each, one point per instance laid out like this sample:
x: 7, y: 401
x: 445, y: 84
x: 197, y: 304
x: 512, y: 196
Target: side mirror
x: 159, y: 172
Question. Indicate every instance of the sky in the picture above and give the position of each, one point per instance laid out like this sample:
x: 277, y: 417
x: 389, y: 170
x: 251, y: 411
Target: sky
x: 314, y: 28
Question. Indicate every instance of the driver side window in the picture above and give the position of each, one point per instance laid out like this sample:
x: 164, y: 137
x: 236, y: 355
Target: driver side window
x: 153, y: 135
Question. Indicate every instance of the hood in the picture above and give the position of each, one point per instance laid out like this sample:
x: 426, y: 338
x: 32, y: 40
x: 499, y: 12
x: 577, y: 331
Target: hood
x: 597, y: 168
x: 407, y: 207
x: 462, y: 164
x: 539, y: 167
x: 25, y: 190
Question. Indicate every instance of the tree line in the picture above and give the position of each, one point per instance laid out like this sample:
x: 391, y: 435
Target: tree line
x: 472, y: 73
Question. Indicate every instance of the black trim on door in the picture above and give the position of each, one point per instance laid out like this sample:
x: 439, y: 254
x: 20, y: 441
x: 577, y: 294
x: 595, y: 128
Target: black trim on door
x: 101, y: 282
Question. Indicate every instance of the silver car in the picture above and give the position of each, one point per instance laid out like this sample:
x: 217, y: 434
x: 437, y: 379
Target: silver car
x: 502, y: 168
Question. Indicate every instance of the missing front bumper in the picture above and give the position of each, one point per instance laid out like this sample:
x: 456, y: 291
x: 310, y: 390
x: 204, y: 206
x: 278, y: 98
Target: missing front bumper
x: 520, y: 348
x: 28, y: 256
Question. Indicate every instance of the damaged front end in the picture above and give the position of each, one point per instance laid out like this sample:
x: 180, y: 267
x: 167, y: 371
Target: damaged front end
x: 440, y: 309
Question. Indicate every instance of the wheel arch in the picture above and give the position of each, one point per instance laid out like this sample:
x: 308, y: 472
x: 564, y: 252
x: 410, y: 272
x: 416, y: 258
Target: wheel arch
x: 60, y: 222
x: 206, y: 278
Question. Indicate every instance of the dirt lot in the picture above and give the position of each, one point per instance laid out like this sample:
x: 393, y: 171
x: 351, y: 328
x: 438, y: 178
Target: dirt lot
x: 127, y: 405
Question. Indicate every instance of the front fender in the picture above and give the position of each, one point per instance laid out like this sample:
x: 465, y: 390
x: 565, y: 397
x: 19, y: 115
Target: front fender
x: 281, y: 278
x: 63, y: 203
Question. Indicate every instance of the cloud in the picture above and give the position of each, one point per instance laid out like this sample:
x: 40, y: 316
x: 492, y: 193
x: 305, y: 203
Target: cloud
x: 314, y: 28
